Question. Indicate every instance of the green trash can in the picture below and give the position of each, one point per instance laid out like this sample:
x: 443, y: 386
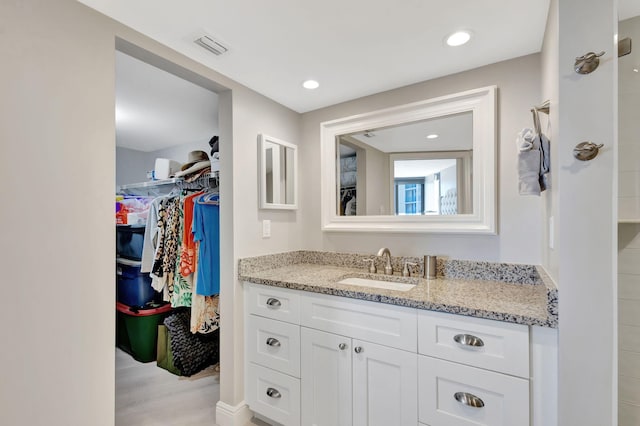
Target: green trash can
x: 139, y: 336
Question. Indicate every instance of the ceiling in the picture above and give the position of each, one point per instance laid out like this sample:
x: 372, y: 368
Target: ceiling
x: 353, y: 48
x: 454, y: 133
x: 157, y: 110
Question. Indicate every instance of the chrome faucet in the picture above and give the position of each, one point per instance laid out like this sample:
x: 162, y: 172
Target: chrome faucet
x: 388, y: 269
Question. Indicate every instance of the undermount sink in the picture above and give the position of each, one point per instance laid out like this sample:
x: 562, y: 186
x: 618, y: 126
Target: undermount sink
x: 368, y: 282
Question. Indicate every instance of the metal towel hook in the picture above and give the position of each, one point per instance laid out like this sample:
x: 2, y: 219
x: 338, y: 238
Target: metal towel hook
x: 586, y: 151
x: 588, y: 62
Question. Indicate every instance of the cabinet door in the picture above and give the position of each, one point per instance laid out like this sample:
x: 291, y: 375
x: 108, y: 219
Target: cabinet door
x: 385, y: 386
x: 325, y: 378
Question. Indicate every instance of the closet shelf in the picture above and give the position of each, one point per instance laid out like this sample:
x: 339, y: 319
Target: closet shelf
x: 203, y: 181
x: 148, y: 184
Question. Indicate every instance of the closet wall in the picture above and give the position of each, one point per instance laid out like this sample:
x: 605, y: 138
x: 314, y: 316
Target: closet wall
x: 629, y: 233
x: 132, y: 165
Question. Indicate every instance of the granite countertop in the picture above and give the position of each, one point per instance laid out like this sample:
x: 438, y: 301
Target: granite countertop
x: 522, y: 294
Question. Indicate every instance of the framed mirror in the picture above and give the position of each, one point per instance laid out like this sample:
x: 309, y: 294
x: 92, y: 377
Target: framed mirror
x: 278, y: 170
x: 427, y: 166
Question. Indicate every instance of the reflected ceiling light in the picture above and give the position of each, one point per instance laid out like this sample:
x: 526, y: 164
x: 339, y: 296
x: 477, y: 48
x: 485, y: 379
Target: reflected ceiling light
x: 458, y: 38
x: 310, y: 84
x: 635, y: 70
x: 432, y: 136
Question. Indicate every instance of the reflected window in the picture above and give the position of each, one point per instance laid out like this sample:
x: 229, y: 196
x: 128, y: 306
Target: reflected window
x: 409, y: 196
x: 431, y: 184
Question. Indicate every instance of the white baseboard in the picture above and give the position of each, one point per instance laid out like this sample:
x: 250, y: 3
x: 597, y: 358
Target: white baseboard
x: 230, y: 415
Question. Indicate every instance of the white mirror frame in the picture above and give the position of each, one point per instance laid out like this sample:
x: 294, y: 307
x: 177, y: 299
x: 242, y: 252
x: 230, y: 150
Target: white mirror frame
x: 264, y: 140
x: 482, y: 103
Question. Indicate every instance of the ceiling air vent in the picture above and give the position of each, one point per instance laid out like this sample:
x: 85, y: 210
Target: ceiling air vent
x: 211, y: 45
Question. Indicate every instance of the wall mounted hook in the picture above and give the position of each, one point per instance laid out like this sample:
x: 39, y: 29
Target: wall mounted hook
x: 587, y: 63
x: 586, y: 151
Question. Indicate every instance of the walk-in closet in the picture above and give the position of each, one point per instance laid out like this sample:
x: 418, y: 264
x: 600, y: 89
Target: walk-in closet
x: 167, y: 264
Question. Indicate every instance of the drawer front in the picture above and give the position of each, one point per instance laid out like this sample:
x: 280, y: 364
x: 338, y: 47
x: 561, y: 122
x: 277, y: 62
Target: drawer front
x: 494, y: 345
x: 273, y: 395
x: 447, y: 392
x: 274, y: 344
x: 271, y: 302
x: 387, y: 325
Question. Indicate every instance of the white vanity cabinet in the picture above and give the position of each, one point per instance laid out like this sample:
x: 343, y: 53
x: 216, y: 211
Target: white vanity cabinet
x: 321, y: 360
x: 359, y: 362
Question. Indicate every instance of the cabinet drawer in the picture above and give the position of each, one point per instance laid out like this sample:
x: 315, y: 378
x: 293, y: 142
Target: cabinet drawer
x: 271, y: 302
x: 274, y: 344
x: 494, y: 345
x: 448, y: 390
x: 387, y: 325
x: 273, y: 395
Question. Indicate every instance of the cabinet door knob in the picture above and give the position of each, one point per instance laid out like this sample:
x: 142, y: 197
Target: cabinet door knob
x: 468, y: 340
x: 342, y: 346
x: 468, y: 399
x: 273, y: 303
x: 273, y: 393
x: 272, y: 341
x: 358, y: 349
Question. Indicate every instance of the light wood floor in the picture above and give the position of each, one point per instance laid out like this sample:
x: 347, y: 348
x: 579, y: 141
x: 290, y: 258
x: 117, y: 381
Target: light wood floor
x: 147, y: 395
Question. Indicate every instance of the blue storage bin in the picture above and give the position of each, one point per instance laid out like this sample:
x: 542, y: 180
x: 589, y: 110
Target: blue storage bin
x: 129, y: 241
x: 133, y: 287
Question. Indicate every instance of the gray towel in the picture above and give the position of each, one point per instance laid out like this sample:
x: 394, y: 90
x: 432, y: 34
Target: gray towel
x: 529, y: 160
x: 544, y: 161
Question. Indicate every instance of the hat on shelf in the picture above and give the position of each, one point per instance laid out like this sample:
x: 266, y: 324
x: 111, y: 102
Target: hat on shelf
x: 198, y: 160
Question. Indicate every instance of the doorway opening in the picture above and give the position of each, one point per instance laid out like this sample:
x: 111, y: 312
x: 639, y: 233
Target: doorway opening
x: 166, y: 116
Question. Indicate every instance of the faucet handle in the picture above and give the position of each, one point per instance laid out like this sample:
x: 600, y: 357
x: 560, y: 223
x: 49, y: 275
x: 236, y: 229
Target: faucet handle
x: 406, y: 271
x: 372, y: 265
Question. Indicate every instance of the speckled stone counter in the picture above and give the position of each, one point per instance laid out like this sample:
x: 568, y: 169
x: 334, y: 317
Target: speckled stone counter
x: 522, y: 294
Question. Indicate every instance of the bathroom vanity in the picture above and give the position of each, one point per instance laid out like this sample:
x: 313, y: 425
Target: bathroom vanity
x: 474, y: 346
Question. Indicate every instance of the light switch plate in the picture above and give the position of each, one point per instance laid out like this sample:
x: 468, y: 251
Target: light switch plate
x: 266, y: 228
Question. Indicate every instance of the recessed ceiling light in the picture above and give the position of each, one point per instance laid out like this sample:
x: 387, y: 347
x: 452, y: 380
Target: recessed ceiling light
x: 310, y: 84
x: 635, y: 70
x: 458, y: 38
x: 432, y: 136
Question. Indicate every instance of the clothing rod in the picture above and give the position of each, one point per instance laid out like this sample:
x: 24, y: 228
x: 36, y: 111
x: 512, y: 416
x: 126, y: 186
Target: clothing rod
x: 544, y: 107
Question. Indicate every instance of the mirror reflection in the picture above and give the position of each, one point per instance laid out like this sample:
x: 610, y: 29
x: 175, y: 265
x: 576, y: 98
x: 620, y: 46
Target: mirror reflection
x: 417, y: 168
x: 278, y: 174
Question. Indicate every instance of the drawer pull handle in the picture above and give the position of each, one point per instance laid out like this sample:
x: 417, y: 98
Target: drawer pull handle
x: 272, y: 341
x: 468, y: 399
x: 273, y: 303
x: 358, y: 349
x: 468, y: 340
x: 342, y: 346
x: 273, y: 393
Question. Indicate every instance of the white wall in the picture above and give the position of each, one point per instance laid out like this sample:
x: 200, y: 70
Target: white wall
x: 132, y: 165
x: 629, y: 324
x: 519, y: 238
x: 57, y: 113
x: 584, y: 206
x: 629, y: 125
x: 180, y: 153
x: 628, y: 234
x: 550, y: 91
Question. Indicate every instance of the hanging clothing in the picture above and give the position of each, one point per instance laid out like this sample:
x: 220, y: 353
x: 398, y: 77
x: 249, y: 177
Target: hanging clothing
x: 150, y: 241
x: 188, y: 246
x: 205, y: 316
x: 206, y: 231
x: 182, y: 288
